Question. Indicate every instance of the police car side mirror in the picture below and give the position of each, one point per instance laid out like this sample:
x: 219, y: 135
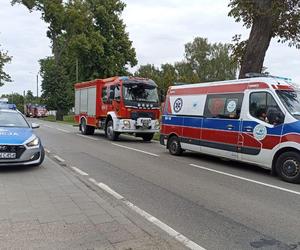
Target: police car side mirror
x: 35, y: 125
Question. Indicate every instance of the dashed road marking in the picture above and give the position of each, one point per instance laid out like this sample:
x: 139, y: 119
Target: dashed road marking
x: 134, y: 149
x: 246, y: 179
x: 88, y: 137
x: 58, y: 158
x: 170, y: 231
x: 79, y: 171
x: 63, y: 130
x: 47, y: 151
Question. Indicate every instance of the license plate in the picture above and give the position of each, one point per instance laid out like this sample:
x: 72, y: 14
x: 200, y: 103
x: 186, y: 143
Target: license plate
x: 8, y: 155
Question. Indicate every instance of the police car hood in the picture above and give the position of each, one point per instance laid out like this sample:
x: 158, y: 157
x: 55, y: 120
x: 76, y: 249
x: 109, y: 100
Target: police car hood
x: 10, y: 136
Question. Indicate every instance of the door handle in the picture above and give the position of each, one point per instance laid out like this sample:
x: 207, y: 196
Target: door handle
x: 230, y: 127
x: 248, y: 128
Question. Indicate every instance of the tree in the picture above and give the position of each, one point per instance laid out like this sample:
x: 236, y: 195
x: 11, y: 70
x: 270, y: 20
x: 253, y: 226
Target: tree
x: 267, y: 19
x: 17, y: 99
x: 4, y: 59
x: 210, y: 62
x: 88, y: 41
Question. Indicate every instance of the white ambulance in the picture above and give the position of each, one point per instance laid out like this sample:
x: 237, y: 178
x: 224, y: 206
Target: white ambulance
x: 253, y: 120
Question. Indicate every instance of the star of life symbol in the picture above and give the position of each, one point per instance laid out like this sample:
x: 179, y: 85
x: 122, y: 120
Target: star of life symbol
x: 178, y: 105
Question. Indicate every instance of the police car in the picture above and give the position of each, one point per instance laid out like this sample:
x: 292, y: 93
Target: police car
x: 18, y: 144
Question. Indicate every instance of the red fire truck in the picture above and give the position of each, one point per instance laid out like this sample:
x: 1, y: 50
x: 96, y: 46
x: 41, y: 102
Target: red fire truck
x: 118, y: 105
x: 35, y: 110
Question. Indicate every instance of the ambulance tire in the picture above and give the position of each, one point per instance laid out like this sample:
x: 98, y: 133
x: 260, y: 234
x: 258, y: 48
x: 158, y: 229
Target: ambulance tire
x: 109, y: 131
x: 174, y: 146
x: 288, y: 167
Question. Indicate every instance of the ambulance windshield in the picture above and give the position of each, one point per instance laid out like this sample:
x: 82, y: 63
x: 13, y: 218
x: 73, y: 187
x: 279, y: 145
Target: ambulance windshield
x: 140, y: 92
x: 291, y: 100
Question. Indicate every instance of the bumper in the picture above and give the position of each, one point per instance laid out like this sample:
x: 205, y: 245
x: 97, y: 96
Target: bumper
x: 120, y: 127
x: 29, y: 157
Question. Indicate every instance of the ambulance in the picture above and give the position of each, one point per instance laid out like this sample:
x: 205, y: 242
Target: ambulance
x: 254, y: 120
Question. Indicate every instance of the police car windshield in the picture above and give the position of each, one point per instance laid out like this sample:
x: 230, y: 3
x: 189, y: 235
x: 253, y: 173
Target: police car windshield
x: 12, y: 119
x: 140, y: 92
x: 291, y: 100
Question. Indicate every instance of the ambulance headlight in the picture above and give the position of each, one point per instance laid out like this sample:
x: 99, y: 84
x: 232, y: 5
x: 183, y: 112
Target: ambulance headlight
x: 157, y: 125
x: 34, y: 143
x: 126, y: 124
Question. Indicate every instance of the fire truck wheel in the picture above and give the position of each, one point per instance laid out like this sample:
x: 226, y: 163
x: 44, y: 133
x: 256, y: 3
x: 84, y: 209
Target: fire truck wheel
x: 147, y: 137
x: 288, y: 167
x: 109, y: 131
x: 86, y: 129
x: 174, y: 146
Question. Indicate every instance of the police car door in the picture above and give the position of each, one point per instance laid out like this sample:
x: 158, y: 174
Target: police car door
x: 261, y: 127
x: 221, y: 124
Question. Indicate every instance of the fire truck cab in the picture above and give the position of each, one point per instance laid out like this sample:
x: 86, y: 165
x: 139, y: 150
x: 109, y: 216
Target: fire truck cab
x: 118, y: 105
x: 254, y: 120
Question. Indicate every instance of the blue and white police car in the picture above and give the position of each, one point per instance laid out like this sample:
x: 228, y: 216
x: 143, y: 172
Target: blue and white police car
x: 18, y: 144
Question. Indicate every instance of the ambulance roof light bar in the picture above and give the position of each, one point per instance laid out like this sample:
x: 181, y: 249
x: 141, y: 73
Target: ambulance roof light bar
x: 252, y: 75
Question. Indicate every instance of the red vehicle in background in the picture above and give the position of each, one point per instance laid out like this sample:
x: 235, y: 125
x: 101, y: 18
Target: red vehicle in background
x: 118, y: 105
x: 35, y: 110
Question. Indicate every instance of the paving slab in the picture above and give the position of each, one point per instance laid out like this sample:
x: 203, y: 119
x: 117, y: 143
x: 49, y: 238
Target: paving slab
x: 50, y: 207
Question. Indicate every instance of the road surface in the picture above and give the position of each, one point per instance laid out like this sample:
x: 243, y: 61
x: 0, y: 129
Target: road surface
x: 216, y: 204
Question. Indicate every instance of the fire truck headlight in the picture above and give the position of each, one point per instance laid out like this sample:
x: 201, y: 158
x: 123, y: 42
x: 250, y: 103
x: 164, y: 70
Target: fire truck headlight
x: 126, y: 124
x: 157, y: 125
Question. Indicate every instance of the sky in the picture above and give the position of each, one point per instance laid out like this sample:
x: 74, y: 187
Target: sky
x: 158, y: 28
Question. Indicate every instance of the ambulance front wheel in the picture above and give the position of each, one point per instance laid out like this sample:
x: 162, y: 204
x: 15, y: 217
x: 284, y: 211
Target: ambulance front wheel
x: 288, y: 167
x: 174, y: 145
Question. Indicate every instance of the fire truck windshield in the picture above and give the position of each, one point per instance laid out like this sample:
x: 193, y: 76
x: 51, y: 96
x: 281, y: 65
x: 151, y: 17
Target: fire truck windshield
x: 140, y: 92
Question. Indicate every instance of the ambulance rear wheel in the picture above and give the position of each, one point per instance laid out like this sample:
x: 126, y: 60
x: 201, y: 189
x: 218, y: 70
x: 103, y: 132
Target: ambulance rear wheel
x: 174, y: 146
x: 288, y: 167
x: 109, y: 131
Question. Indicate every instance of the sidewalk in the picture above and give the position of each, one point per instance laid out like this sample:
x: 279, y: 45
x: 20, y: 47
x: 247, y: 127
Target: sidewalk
x: 48, y: 207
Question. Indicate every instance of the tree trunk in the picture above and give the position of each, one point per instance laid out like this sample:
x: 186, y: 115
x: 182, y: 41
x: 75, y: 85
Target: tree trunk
x: 59, y: 115
x: 259, y: 41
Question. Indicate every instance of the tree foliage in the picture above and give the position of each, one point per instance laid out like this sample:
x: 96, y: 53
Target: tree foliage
x: 4, y: 59
x: 267, y: 19
x: 89, y: 41
x: 203, y: 62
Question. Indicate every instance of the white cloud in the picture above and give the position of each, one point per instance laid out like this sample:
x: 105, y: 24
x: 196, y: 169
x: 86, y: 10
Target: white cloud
x: 159, y: 29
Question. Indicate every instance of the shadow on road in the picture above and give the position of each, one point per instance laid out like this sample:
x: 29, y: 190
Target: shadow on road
x: 13, y: 169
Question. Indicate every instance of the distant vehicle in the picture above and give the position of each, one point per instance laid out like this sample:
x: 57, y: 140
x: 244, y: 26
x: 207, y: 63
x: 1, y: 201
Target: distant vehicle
x: 35, y: 110
x: 118, y: 105
x: 18, y: 144
x: 255, y: 120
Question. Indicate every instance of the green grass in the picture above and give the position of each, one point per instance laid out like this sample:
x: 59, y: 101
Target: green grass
x: 156, y: 136
x: 68, y: 119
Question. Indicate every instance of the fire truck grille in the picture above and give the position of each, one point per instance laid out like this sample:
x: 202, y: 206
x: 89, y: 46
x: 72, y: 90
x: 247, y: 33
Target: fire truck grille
x: 136, y: 115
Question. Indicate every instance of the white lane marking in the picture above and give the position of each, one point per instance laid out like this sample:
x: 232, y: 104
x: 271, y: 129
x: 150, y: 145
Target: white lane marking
x: 47, y: 150
x: 48, y: 126
x: 246, y: 179
x: 170, y: 231
x: 88, y: 137
x: 79, y: 171
x: 134, y: 149
x: 58, y: 158
x: 63, y: 130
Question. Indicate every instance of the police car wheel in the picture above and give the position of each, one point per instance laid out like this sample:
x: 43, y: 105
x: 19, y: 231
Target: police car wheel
x: 109, y: 131
x: 288, y: 167
x: 174, y: 146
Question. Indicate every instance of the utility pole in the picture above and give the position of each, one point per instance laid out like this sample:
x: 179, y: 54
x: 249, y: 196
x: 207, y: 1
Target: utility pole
x: 37, y: 85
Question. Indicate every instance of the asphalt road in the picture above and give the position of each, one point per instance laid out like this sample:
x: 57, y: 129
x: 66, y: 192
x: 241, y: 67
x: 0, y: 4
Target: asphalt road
x: 217, y: 204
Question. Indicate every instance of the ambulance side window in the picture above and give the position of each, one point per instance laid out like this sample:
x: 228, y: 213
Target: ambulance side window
x: 264, y: 107
x: 104, y: 94
x: 227, y: 106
